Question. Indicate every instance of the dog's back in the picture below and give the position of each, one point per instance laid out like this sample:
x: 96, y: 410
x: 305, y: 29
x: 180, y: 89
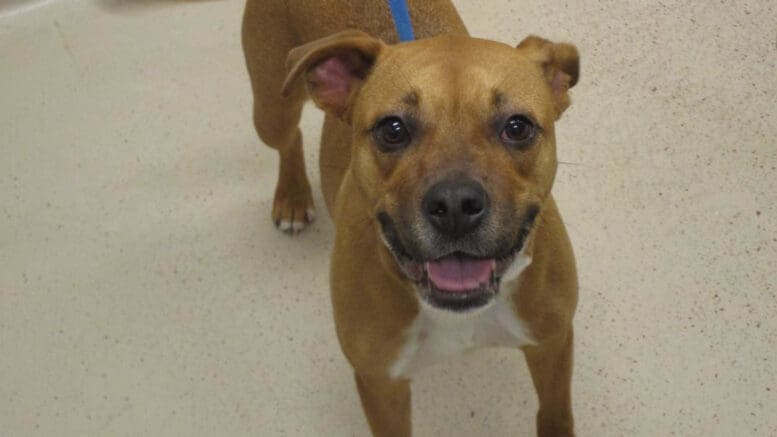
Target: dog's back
x: 314, y: 19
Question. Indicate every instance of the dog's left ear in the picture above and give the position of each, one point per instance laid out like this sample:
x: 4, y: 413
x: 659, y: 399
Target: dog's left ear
x: 333, y: 67
x: 560, y: 63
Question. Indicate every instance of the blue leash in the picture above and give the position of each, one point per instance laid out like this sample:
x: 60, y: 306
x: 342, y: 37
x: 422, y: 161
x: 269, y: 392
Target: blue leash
x: 401, y: 20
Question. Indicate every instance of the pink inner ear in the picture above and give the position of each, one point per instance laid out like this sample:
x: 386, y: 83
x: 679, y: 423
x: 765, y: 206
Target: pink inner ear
x: 331, y: 80
x: 560, y: 83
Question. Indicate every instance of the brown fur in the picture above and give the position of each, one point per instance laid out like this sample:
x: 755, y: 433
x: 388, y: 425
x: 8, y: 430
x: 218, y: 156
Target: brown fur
x: 450, y: 84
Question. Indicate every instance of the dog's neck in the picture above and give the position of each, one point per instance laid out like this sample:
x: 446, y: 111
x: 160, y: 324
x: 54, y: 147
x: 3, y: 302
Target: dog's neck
x: 437, y: 334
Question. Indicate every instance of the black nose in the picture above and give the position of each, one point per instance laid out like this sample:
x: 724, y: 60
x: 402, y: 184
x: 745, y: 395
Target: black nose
x: 455, y: 207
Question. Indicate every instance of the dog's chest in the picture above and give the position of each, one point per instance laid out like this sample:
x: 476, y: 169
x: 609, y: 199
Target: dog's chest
x: 437, y: 334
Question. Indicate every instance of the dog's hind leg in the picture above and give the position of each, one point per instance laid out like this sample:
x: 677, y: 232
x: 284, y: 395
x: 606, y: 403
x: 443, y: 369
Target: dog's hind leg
x: 267, y: 39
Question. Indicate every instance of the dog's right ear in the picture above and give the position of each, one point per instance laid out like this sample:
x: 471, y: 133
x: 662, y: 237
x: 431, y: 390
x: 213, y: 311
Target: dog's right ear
x: 333, y: 67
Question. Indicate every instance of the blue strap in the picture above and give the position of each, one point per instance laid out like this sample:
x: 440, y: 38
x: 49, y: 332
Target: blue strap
x: 401, y: 20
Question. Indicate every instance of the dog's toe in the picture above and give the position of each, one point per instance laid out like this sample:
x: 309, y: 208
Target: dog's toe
x: 291, y: 219
x: 285, y: 226
x: 297, y: 227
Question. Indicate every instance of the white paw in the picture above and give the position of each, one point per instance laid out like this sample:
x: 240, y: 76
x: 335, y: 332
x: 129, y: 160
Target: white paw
x: 295, y: 226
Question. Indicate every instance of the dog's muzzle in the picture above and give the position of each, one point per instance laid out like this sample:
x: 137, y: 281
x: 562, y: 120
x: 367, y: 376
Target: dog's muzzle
x: 463, y: 270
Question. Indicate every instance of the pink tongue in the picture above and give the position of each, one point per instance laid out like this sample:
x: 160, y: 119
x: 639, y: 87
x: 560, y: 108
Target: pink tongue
x: 459, y: 274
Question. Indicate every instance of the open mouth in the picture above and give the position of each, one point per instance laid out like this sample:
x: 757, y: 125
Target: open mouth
x: 456, y: 282
x: 460, y: 280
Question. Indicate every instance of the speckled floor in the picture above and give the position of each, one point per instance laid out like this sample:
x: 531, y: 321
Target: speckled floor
x: 144, y: 291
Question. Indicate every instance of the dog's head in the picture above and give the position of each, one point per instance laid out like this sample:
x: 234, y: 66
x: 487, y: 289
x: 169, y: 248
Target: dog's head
x: 453, y: 146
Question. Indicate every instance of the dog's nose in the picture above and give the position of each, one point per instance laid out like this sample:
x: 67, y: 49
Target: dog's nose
x: 455, y: 207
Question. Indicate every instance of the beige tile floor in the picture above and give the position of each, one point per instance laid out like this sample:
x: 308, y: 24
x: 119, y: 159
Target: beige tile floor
x: 144, y: 291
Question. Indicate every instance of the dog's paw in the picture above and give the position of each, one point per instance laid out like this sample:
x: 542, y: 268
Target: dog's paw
x: 291, y: 216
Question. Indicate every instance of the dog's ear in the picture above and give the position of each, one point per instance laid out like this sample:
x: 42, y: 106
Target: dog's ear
x: 560, y: 63
x: 333, y: 68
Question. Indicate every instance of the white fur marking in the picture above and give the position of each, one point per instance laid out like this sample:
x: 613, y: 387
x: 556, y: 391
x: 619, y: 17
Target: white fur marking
x: 437, y: 334
x: 284, y: 225
x: 297, y: 226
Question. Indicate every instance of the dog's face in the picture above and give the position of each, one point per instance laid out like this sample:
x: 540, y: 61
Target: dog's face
x: 454, y: 148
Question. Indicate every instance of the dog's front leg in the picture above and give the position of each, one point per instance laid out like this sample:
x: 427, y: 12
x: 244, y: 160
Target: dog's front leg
x: 550, y: 364
x: 386, y: 404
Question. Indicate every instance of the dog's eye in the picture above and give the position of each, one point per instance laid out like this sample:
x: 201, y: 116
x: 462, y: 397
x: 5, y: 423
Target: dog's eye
x: 518, y: 131
x: 391, y: 134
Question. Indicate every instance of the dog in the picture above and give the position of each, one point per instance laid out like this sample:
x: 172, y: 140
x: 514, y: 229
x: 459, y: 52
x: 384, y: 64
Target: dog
x: 437, y: 161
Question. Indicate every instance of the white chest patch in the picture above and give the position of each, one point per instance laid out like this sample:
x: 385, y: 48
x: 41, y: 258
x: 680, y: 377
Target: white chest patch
x: 437, y: 334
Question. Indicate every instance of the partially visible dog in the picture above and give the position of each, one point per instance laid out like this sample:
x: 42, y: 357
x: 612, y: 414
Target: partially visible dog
x: 437, y: 162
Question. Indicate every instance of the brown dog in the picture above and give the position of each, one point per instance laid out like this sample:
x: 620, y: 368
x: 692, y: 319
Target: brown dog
x: 437, y: 162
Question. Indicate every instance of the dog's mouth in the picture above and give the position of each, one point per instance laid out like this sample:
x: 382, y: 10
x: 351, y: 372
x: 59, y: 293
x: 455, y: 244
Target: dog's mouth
x: 458, y: 281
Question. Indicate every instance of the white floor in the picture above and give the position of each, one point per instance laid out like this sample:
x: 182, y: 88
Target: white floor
x: 145, y: 292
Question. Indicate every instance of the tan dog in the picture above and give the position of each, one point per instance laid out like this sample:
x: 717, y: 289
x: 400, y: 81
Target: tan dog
x: 437, y: 162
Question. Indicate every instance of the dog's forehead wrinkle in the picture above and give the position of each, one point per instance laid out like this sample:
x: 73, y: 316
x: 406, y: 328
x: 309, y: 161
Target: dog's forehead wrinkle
x: 411, y: 98
x: 390, y: 68
x: 499, y: 97
x: 437, y: 82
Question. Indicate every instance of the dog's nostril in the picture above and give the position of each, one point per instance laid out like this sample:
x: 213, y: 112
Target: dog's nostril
x: 471, y: 206
x: 438, y: 209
